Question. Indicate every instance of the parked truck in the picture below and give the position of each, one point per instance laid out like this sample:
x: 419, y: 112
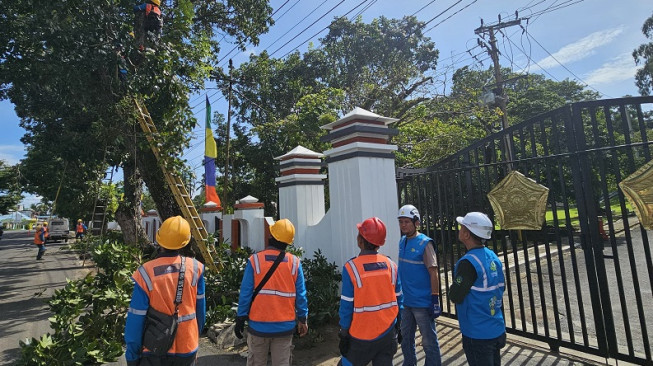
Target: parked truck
x: 58, y: 229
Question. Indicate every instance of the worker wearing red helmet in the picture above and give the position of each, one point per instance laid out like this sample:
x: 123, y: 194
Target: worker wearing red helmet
x: 370, y: 302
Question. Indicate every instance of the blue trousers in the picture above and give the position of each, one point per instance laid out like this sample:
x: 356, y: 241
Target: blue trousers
x: 484, y: 352
x: 411, y: 318
x: 41, y: 251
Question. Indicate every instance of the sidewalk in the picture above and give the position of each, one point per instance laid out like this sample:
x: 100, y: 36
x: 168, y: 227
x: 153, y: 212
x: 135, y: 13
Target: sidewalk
x: 518, y: 351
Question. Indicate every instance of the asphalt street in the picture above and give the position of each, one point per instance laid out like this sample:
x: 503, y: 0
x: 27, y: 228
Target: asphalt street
x: 25, y: 286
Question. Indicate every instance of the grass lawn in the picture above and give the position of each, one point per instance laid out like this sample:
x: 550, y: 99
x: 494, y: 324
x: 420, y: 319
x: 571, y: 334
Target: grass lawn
x: 615, y: 207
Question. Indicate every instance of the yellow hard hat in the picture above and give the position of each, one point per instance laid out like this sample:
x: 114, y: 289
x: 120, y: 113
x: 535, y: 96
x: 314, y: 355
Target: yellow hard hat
x: 174, y: 233
x: 284, y: 231
x: 156, y: 2
x: 79, y: 220
x: 45, y: 224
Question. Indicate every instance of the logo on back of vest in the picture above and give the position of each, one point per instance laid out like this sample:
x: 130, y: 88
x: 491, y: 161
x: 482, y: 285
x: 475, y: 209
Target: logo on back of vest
x: 412, y: 250
x: 493, y: 302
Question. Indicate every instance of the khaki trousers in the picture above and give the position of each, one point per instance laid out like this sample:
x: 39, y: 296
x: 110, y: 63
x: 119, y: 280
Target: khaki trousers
x: 259, y: 347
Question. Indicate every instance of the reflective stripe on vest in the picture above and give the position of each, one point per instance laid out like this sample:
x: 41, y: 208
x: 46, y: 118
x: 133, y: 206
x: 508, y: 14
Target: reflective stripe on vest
x: 158, y: 278
x: 276, y: 300
x: 485, y: 287
x: 415, y: 277
x: 375, y: 299
x: 480, y: 315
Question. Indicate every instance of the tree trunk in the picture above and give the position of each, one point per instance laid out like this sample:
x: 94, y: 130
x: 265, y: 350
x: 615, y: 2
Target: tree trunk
x: 128, y: 214
x: 161, y: 194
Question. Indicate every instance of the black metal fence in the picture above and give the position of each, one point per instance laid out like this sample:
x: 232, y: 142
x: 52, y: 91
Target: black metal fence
x: 584, y: 280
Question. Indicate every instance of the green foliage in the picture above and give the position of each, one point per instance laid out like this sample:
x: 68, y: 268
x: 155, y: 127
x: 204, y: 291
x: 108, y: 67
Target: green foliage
x: 281, y: 103
x: 222, y: 288
x: 643, y: 55
x: 322, y: 289
x: 10, y: 189
x: 89, y: 313
x: 59, y: 66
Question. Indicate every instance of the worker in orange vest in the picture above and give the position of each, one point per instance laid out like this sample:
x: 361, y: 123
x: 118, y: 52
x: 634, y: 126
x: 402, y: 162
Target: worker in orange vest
x: 279, y: 306
x: 39, y: 240
x: 148, y: 22
x: 46, y: 232
x: 80, y: 229
x: 156, y: 294
x: 371, y: 301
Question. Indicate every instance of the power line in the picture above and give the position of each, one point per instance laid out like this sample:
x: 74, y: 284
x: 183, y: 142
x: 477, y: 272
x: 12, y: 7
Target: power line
x: 560, y: 63
x: 423, y: 7
x: 305, y: 29
x: 442, y: 12
x: 325, y: 28
x: 297, y: 24
x: 449, y: 17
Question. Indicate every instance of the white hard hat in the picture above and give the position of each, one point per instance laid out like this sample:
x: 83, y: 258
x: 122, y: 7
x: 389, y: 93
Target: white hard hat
x: 478, y: 223
x: 408, y: 211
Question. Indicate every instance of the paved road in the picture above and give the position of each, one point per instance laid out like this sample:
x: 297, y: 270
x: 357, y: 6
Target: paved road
x: 25, y: 286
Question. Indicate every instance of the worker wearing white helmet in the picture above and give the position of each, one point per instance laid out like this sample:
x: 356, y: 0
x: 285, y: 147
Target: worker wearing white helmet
x: 418, y: 271
x: 477, y: 291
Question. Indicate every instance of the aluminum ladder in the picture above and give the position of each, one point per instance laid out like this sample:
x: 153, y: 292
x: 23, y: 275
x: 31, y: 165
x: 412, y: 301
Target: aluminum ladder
x: 197, y: 228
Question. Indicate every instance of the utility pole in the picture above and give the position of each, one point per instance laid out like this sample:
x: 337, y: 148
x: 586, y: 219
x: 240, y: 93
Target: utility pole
x: 493, y: 51
x: 226, y: 164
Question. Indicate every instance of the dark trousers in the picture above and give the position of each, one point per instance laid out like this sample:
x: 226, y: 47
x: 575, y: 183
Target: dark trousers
x: 484, y: 352
x: 379, y: 352
x: 41, y: 251
x: 150, y: 360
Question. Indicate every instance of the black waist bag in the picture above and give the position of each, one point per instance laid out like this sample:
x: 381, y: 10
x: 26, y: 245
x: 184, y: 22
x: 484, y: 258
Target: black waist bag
x: 160, y: 331
x: 161, y: 328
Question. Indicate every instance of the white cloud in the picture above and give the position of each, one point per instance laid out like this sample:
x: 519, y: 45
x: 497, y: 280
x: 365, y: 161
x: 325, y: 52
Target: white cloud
x: 30, y: 199
x: 580, y: 49
x: 11, y: 154
x: 619, y: 68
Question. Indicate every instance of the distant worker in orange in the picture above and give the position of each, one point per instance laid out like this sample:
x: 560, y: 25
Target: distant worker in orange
x: 46, y: 231
x: 166, y: 288
x: 80, y: 229
x: 39, y: 240
x: 371, y: 300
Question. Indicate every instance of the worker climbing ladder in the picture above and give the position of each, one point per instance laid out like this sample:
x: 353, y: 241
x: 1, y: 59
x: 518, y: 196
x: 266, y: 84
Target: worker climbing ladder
x: 198, y: 230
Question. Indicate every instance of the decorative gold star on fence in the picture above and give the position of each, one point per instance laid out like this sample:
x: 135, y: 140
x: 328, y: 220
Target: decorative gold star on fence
x: 519, y: 203
x: 638, y: 189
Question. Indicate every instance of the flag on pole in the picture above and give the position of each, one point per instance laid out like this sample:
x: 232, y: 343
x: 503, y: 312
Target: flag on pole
x: 210, y: 153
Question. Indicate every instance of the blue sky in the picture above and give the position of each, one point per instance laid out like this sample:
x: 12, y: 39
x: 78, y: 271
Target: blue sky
x: 590, y: 41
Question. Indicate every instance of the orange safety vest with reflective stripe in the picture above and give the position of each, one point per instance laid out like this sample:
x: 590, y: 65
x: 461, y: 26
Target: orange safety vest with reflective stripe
x: 37, y: 237
x: 375, y: 301
x: 80, y: 228
x: 151, y: 7
x: 276, y: 300
x: 158, y: 278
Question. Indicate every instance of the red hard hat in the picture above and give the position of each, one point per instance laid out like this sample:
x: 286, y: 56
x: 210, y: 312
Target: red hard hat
x: 372, y: 230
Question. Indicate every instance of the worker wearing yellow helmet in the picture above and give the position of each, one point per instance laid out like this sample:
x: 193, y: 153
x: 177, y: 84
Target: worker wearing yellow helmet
x: 272, y: 299
x: 39, y: 241
x: 156, y: 298
x: 80, y: 229
x: 148, y: 22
